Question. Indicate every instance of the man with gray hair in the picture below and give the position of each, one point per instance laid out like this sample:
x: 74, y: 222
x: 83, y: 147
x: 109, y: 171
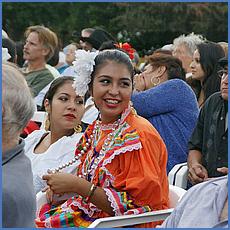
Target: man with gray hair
x: 18, y: 195
x: 184, y: 47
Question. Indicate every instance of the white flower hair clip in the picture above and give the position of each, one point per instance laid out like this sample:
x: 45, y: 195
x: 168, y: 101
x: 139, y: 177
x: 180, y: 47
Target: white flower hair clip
x: 83, y: 67
x: 5, y: 54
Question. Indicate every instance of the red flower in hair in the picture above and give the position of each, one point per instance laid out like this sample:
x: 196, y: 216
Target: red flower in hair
x: 127, y: 48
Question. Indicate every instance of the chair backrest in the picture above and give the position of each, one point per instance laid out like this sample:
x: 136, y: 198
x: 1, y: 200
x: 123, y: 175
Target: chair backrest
x: 41, y: 200
x: 178, y: 175
x: 40, y: 116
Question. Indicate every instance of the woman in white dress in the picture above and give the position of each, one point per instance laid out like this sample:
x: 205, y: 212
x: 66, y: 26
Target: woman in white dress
x: 55, y: 145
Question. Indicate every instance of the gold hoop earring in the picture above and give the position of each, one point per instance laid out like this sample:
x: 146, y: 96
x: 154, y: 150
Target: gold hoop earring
x: 47, y: 123
x: 155, y: 83
x: 130, y: 103
x: 78, y: 129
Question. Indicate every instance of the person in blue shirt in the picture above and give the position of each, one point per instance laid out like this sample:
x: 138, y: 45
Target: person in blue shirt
x: 205, y: 205
x: 164, y: 98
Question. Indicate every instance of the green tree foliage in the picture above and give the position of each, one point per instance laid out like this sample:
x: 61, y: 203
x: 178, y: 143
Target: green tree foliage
x: 144, y: 25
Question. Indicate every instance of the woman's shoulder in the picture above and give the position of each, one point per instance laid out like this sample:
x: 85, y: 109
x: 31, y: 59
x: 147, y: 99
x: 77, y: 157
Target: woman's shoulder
x: 36, y: 134
x: 178, y: 83
x: 142, y: 125
x: 171, y: 86
x: 62, y: 143
x: 33, y: 139
x: 183, y: 90
x: 73, y: 138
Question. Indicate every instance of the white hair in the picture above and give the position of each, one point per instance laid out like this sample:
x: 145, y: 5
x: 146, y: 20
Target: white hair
x: 168, y: 47
x: 17, y: 102
x: 190, y: 41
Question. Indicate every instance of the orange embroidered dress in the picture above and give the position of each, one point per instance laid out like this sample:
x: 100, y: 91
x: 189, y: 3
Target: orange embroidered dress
x: 131, y: 168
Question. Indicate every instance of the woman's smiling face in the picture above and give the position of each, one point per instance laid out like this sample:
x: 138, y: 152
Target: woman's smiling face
x: 112, y: 89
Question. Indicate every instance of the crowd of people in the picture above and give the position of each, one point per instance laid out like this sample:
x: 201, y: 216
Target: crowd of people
x: 115, y: 127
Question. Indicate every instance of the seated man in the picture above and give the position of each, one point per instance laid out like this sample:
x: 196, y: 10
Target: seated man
x: 204, y: 205
x: 38, y: 49
x: 208, y: 155
x: 18, y: 195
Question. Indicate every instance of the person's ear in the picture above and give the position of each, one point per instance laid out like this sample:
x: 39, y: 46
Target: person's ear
x: 161, y: 70
x: 45, y: 51
x: 47, y: 105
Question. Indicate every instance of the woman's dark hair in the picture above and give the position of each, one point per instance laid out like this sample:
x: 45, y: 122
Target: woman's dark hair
x: 112, y: 45
x: 55, y: 85
x: 210, y: 53
x: 115, y: 55
x: 108, y: 45
x: 173, y: 65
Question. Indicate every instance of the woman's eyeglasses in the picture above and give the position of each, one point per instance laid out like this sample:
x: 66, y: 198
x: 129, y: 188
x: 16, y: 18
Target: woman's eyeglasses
x: 222, y: 73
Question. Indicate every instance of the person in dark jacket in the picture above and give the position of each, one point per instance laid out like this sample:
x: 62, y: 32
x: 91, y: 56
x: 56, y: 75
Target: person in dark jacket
x: 208, y: 155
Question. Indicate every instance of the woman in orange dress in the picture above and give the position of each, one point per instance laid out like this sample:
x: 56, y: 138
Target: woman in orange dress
x: 123, y: 158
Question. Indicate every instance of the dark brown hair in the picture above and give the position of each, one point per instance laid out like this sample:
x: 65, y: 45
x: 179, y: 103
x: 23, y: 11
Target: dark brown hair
x: 173, y: 65
x: 111, y: 55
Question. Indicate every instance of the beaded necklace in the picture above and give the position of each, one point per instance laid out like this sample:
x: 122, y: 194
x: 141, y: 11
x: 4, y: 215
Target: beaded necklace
x: 88, y: 144
x: 94, y: 158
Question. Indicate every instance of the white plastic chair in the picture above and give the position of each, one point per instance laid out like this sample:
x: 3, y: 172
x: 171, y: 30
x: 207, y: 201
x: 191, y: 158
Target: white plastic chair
x: 175, y: 194
x: 178, y: 175
x: 41, y: 200
x: 40, y: 116
x: 130, y: 220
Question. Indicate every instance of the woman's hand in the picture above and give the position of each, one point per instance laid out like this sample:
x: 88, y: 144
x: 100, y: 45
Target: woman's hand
x: 60, y: 183
x: 139, y: 82
x: 50, y: 197
x: 49, y: 194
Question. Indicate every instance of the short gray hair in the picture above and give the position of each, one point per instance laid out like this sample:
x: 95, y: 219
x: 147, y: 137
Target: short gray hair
x: 190, y: 41
x: 17, y: 102
x: 88, y: 30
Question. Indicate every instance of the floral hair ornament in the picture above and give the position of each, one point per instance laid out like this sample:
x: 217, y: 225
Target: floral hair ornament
x: 83, y: 67
x: 127, y: 48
